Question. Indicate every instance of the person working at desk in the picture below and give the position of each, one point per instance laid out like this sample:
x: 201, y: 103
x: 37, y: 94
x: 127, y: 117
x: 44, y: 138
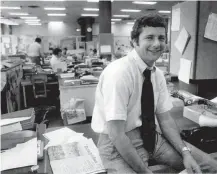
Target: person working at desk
x: 35, y: 52
x: 131, y: 93
x: 56, y: 62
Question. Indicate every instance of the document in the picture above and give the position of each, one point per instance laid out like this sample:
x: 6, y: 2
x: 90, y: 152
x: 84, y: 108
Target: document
x: 211, y: 27
x: 62, y: 136
x: 78, y: 157
x: 175, y: 19
x: 11, y: 128
x: 105, y: 49
x: 22, y: 155
x: 12, y: 120
x: 185, y: 70
x: 182, y: 40
x: 214, y: 100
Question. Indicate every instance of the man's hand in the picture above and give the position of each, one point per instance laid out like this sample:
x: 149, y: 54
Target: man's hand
x: 190, y: 164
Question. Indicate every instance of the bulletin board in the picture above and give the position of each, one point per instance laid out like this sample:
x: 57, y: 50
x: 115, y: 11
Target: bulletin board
x: 199, y: 50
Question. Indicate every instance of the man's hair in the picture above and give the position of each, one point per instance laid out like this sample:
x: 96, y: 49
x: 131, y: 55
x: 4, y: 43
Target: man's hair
x: 56, y: 51
x: 38, y: 40
x: 65, y: 48
x: 150, y: 20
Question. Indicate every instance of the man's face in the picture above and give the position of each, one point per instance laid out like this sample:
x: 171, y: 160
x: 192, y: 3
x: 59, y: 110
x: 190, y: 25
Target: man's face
x: 151, y: 44
x: 59, y: 54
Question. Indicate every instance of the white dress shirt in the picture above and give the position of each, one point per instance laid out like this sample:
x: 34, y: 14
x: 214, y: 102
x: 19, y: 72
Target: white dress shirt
x: 118, y: 93
x: 34, y: 50
x: 56, y: 63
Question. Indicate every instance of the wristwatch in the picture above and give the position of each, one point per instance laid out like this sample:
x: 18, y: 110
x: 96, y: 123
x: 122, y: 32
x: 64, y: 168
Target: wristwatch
x: 186, y: 149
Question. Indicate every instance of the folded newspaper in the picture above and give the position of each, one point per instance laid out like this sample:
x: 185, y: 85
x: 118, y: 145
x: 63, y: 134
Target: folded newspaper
x: 77, y: 157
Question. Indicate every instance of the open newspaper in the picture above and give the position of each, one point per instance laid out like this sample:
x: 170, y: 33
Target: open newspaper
x: 77, y: 157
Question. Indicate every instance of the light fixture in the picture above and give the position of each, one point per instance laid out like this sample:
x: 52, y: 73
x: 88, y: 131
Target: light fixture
x: 121, y: 16
x: 32, y: 20
x: 78, y: 29
x: 112, y: 22
x: 19, y: 14
x: 164, y: 11
x: 28, y: 17
x: 54, y: 8
x: 130, y: 10
x: 52, y: 0
x: 10, y: 8
x: 8, y: 22
x: 56, y: 22
x: 92, y: 0
x: 144, y: 2
x: 130, y: 23
x: 115, y: 19
x: 91, y: 9
x: 35, y: 24
x: 89, y: 15
x: 56, y: 14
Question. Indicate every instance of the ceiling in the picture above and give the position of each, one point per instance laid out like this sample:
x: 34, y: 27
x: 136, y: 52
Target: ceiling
x: 75, y: 8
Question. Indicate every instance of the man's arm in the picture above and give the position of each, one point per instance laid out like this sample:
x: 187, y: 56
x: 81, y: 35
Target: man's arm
x: 124, y: 146
x: 171, y: 132
x: 41, y: 54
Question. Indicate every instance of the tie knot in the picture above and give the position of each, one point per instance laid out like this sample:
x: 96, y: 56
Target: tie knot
x: 147, y: 74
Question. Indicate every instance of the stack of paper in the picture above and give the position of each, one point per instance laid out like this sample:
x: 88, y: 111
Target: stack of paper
x: 22, y: 155
x: 71, y: 152
x: 26, y: 118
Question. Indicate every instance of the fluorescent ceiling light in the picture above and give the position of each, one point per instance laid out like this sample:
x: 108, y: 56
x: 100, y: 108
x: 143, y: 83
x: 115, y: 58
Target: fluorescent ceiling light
x: 56, y: 14
x: 28, y: 17
x: 78, y: 29
x: 112, y: 22
x: 120, y: 16
x: 10, y: 8
x: 56, y: 22
x: 144, y: 2
x: 130, y: 23
x: 52, y: 0
x: 92, y: 0
x: 164, y: 11
x: 89, y: 15
x: 91, y: 9
x: 19, y: 14
x: 8, y: 22
x: 32, y: 20
x: 54, y: 8
x: 35, y: 24
x: 116, y: 19
x: 130, y: 10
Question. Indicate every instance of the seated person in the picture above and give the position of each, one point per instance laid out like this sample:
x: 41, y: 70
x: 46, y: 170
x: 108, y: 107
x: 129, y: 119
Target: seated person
x: 56, y: 62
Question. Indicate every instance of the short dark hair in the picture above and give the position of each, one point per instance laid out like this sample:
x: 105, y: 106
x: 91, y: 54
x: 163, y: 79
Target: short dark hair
x: 56, y: 51
x: 38, y: 40
x: 65, y: 48
x: 150, y: 20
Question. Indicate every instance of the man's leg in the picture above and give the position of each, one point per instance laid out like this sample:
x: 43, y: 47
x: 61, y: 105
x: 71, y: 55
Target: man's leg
x: 166, y: 154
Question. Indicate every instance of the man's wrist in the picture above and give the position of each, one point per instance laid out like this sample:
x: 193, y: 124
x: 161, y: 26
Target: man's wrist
x: 186, y: 151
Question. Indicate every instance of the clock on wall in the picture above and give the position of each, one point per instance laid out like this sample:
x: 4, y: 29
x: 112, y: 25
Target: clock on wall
x: 89, y: 29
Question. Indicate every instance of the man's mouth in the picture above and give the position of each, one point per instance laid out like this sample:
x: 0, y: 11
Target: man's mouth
x: 154, y: 51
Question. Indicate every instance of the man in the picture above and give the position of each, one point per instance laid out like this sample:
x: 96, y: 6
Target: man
x: 130, y: 93
x: 56, y: 62
x: 35, y: 52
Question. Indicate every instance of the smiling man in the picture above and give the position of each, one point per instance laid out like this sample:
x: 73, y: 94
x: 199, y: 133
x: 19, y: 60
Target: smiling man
x: 131, y: 98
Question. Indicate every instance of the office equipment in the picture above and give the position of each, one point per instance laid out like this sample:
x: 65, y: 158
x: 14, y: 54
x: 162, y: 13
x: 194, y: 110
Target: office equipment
x: 11, y: 128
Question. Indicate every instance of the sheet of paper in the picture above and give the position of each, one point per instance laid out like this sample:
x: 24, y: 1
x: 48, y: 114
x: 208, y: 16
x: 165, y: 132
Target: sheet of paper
x: 184, y: 172
x: 214, y: 100
x: 175, y: 19
x: 182, y: 40
x: 12, y: 120
x: 185, y: 70
x: 11, y: 128
x: 17, y: 156
x: 105, y: 49
x: 211, y: 27
x: 83, y: 155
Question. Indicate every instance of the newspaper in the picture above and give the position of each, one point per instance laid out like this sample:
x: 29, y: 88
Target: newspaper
x: 77, y: 157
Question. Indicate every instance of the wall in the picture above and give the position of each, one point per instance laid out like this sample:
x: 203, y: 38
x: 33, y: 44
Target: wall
x: 50, y: 29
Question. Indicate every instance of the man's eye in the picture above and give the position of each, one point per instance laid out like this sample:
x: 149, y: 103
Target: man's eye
x: 149, y: 37
x: 162, y: 38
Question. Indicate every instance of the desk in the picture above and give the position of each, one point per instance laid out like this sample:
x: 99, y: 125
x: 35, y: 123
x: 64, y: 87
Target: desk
x: 29, y: 83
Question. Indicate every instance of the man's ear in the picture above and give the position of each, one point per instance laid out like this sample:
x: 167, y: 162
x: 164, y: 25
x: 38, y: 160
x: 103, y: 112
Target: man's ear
x: 134, y: 42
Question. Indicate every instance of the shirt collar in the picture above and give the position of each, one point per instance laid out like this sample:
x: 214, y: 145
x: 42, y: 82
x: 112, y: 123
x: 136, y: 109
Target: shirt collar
x: 139, y: 62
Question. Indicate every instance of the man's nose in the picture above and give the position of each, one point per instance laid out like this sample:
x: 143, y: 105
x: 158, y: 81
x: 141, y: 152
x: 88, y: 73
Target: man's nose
x: 156, y: 42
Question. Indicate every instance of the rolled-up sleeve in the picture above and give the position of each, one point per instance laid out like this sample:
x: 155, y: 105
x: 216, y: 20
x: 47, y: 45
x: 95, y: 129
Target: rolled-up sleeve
x: 115, y: 97
x: 164, y: 103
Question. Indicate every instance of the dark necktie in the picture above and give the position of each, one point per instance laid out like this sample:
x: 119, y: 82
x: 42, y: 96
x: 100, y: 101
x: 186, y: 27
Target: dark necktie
x: 147, y: 107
